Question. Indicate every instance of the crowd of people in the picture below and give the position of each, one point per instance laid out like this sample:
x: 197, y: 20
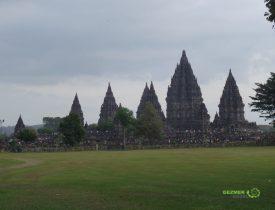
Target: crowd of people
x: 113, y: 139
x: 214, y: 136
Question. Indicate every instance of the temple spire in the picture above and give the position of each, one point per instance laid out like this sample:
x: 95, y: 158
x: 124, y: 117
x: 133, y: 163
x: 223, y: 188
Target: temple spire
x: 86, y: 125
x: 185, y: 107
x: 76, y: 109
x: 152, y: 89
x: 149, y: 95
x: 231, y: 77
x: 184, y: 58
x: 231, y: 107
x: 109, y: 89
x: 109, y: 106
x: 216, y: 121
x: 19, y: 125
x: 144, y: 98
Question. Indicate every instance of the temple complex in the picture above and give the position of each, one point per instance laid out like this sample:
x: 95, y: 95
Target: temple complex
x: 19, y: 125
x: 185, y: 107
x: 109, y: 106
x: 149, y: 95
x: 187, y: 120
x: 76, y: 109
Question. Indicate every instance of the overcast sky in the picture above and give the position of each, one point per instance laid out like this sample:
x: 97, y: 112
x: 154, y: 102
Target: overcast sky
x: 51, y: 49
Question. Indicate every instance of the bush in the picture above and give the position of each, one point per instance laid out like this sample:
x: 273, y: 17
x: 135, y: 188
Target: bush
x: 45, y: 131
x: 107, y: 125
x: 15, y: 146
x: 27, y: 135
x: 150, y: 126
x: 72, y: 130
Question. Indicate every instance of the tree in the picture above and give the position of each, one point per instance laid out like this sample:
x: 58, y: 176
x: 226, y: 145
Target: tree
x: 72, y: 130
x: 126, y: 119
x: 106, y: 125
x: 52, y: 123
x: 270, y: 15
x: 149, y: 125
x: 3, y: 140
x: 27, y: 135
x: 14, y: 145
x: 94, y: 126
x: 43, y: 131
x: 264, y: 100
x: 3, y: 137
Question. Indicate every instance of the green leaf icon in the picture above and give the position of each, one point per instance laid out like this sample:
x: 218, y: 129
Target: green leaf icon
x: 253, y: 193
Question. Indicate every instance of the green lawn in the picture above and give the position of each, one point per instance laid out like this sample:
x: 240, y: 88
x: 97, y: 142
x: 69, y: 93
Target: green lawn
x: 149, y: 179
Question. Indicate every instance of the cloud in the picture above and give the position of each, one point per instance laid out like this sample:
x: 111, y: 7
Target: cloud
x: 37, y: 101
x: 50, y: 49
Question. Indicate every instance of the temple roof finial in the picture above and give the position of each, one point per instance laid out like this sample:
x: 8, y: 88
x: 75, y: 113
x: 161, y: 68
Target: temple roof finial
x: 151, y: 85
x: 109, y: 89
x: 230, y: 72
x: 184, y: 58
x: 76, y: 96
x: 183, y: 53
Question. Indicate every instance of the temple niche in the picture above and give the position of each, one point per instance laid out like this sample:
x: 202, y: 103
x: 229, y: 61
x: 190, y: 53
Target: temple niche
x: 76, y: 109
x: 149, y: 96
x: 109, y: 107
x: 231, y: 107
x: 185, y: 107
x: 19, y: 125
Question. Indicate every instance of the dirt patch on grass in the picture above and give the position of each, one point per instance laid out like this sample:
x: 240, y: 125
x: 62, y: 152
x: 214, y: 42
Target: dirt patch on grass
x: 27, y: 163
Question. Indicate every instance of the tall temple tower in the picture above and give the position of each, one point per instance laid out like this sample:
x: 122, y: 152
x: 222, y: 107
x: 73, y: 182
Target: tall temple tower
x: 19, y: 125
x: 76, y: 109
x: 231, y: 107
x: 144, y: 98
x: 109, y: 106
x: 185, y: 107
x: 149, y: 95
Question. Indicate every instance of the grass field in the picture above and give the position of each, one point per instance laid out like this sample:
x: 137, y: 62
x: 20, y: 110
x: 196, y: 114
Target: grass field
x: 149, y: 179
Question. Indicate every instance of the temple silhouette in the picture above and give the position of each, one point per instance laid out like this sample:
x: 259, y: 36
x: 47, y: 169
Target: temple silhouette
x: 185, y: 107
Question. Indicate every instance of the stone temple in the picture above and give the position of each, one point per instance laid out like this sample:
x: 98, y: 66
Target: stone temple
x: 216, y: 122
x: 19, y: 125
x: 76, y: 109
x: 149, y: 96
x: 231, y: 107
x: 185, y: 107
x: 109, y: 107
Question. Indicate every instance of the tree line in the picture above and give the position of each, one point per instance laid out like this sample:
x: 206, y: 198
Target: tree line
x: 70, y: 131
